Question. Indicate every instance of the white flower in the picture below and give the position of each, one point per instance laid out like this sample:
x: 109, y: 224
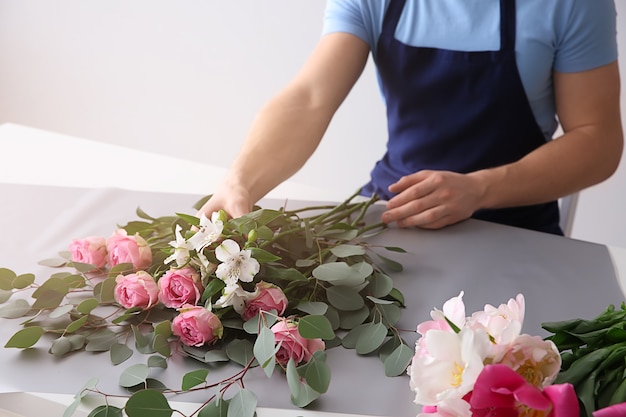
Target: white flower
x: 235, y: 296
x: 237, y: 264
x: 455, y: 407
x: 449, y: 366
x: 208, y: 232
x: 181, y: 249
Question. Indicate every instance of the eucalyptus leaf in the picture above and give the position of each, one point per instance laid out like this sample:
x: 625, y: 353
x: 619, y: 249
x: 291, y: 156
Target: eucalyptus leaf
x: 161, y: 345
x: 25, y: 338
x: 350, y: 340
x: 106, y: 411
x: 340, y: 273
x: 53, y: 262
x: 371, y: 338
x: 243, y: 404
x: 390, y: 264
x: 240, y: 351
x: 156, y: 361
x: 380, y: 285
x: 5, y: 295
x: 293, y: 378
x: 22, y: 281
x: 100, y: 341
x: 350, y: 319
x: 119, y: 353
x: 87, y: 305
x: 76, y: 324
x: 61, y: 311
x: 148, y: 403
x: 345, y: 250
x: 134, y: 375
x: 16, y: 308
x: 317, y: 373
x: 315, y: 327
x: 194, y: 378
x: 344, y: 298
x: 217, y: 407
x: 379, y: 300
x: 391, y: 313
x: 60, y: 346
x: 215, y: 356
x: 397, y: 363
x: 6, y: 279
x: 313, y: 307
x: 264, y: 350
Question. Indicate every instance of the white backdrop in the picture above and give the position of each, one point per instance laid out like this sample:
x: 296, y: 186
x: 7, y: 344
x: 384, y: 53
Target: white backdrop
x: 186, y: 77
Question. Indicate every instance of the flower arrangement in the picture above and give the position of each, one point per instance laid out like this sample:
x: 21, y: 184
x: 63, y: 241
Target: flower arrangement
x: 482, y: 365
x: 272, y: 289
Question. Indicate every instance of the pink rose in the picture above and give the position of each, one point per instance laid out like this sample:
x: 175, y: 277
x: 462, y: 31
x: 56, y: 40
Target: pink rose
x: 499, y: 390
x: 180, y: 286
x: 91, y: 250
x: 197, y: 326
x: 128, y: 249
x: 136, y: 290
x: 293, y: 345
x: 269, y: 297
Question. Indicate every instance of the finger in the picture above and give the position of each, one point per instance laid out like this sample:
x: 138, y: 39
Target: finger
x: 434, y: 218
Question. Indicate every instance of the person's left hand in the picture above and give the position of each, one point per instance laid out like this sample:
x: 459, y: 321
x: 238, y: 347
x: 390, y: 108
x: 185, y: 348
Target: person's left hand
x: 433, y: 199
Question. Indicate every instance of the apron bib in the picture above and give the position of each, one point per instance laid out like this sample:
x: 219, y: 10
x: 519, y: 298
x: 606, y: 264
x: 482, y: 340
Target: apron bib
x: 457, y: 111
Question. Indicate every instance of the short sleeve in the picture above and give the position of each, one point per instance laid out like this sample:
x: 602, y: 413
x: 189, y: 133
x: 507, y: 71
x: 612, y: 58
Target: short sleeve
x: 587, y: 36
x: 349, y: 16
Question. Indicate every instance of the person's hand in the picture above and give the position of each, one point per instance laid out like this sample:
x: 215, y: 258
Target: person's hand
x: 433, y: 199
x: 234, y: 200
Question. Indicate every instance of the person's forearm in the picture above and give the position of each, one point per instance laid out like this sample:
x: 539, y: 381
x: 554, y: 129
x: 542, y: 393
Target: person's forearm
x: 562, y: 167
x: 283, y: 136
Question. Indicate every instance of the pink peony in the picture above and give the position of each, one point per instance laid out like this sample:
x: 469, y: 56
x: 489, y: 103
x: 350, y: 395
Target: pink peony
x: 500, y: 391
x: 197, y: 326
x: 136, y: 290
x: 293, y: 345
x: 180, y: 286
x: 537, y: 360
x: 128, y: 249
x: 91, y: 250
x: 269, y: 297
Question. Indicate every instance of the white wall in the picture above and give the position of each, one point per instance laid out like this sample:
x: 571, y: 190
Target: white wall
x: 186, y: 77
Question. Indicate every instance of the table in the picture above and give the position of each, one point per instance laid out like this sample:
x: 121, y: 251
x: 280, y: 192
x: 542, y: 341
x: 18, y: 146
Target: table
x: 45, y: 205
x: 560, y: 278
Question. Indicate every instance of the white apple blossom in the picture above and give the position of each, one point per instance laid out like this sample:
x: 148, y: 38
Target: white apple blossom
x: 208, y: 232
x: 181, y: 249
x: 451, y: 365
x: 237, y: 265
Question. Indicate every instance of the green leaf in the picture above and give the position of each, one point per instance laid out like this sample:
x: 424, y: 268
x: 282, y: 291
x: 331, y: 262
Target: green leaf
x: 61, y: 311
x: 390, y: 264
x: 192, y: 220
x: 351, y: 319
x: 134, y: 375
x: 391, y: 313
x: 86, y: 306
x: 194, y: 378
x: 306, y: 395
x: 60, y: 346
x: 217, y: 407
x: 16, y: 308
x: 379, y: 300
x: 156, y: 361
x: 106, y: 411
x: 395, y: 249
x: 240, y: 351
x: 371, y: 338
x: 50, y: 294
x: 100, y: 341
x: 380, y: 285
x: 119, y: 353
x: 340, y: 273
x: 350, y: 340
x: 344, y: 251
x: 161, y: 345
x: 263, y: 256
x: 264, y: 350
x: 293, y: 378
x: 399, y: 360
x: 344, y: 298
x: 313, y: 307
x: 6, y: 279
x: 314, y: 327
x: 5, y: 296
x: 53, y: 263
x: 148, y: 403
x: 317, y: 373
x: 105, y: 290
x: 215, y: 356
x: 23, y: 281
x: 243, y: 404
x: 25, y: 338
x: 76, y: 324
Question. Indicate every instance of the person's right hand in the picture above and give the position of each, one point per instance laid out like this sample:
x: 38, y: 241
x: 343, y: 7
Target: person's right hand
x: 234, y: 200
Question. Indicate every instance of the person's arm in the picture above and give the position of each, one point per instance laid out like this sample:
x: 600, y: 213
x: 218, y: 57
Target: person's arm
x: 587, y: 153
x: 290, y: 126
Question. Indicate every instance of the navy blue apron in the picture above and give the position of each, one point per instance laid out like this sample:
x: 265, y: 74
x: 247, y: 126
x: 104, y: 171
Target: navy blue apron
x: 456, y: 111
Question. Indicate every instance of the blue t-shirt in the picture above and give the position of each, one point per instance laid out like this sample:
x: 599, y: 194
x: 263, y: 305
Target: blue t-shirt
x: 561, y: 35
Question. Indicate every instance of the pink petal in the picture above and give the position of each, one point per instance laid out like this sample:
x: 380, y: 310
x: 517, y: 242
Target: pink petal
x: 616, y: 410
x: 494, y: 387
x: 565, y: 401
x: 532, y: 397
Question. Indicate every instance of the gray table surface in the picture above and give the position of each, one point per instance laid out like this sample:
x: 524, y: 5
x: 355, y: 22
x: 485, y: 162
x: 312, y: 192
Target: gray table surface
x: 560, y: 278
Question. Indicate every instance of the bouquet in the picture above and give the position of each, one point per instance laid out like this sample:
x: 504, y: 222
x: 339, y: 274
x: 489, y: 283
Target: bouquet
x: 482, y: 365
x: 272, y: 289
